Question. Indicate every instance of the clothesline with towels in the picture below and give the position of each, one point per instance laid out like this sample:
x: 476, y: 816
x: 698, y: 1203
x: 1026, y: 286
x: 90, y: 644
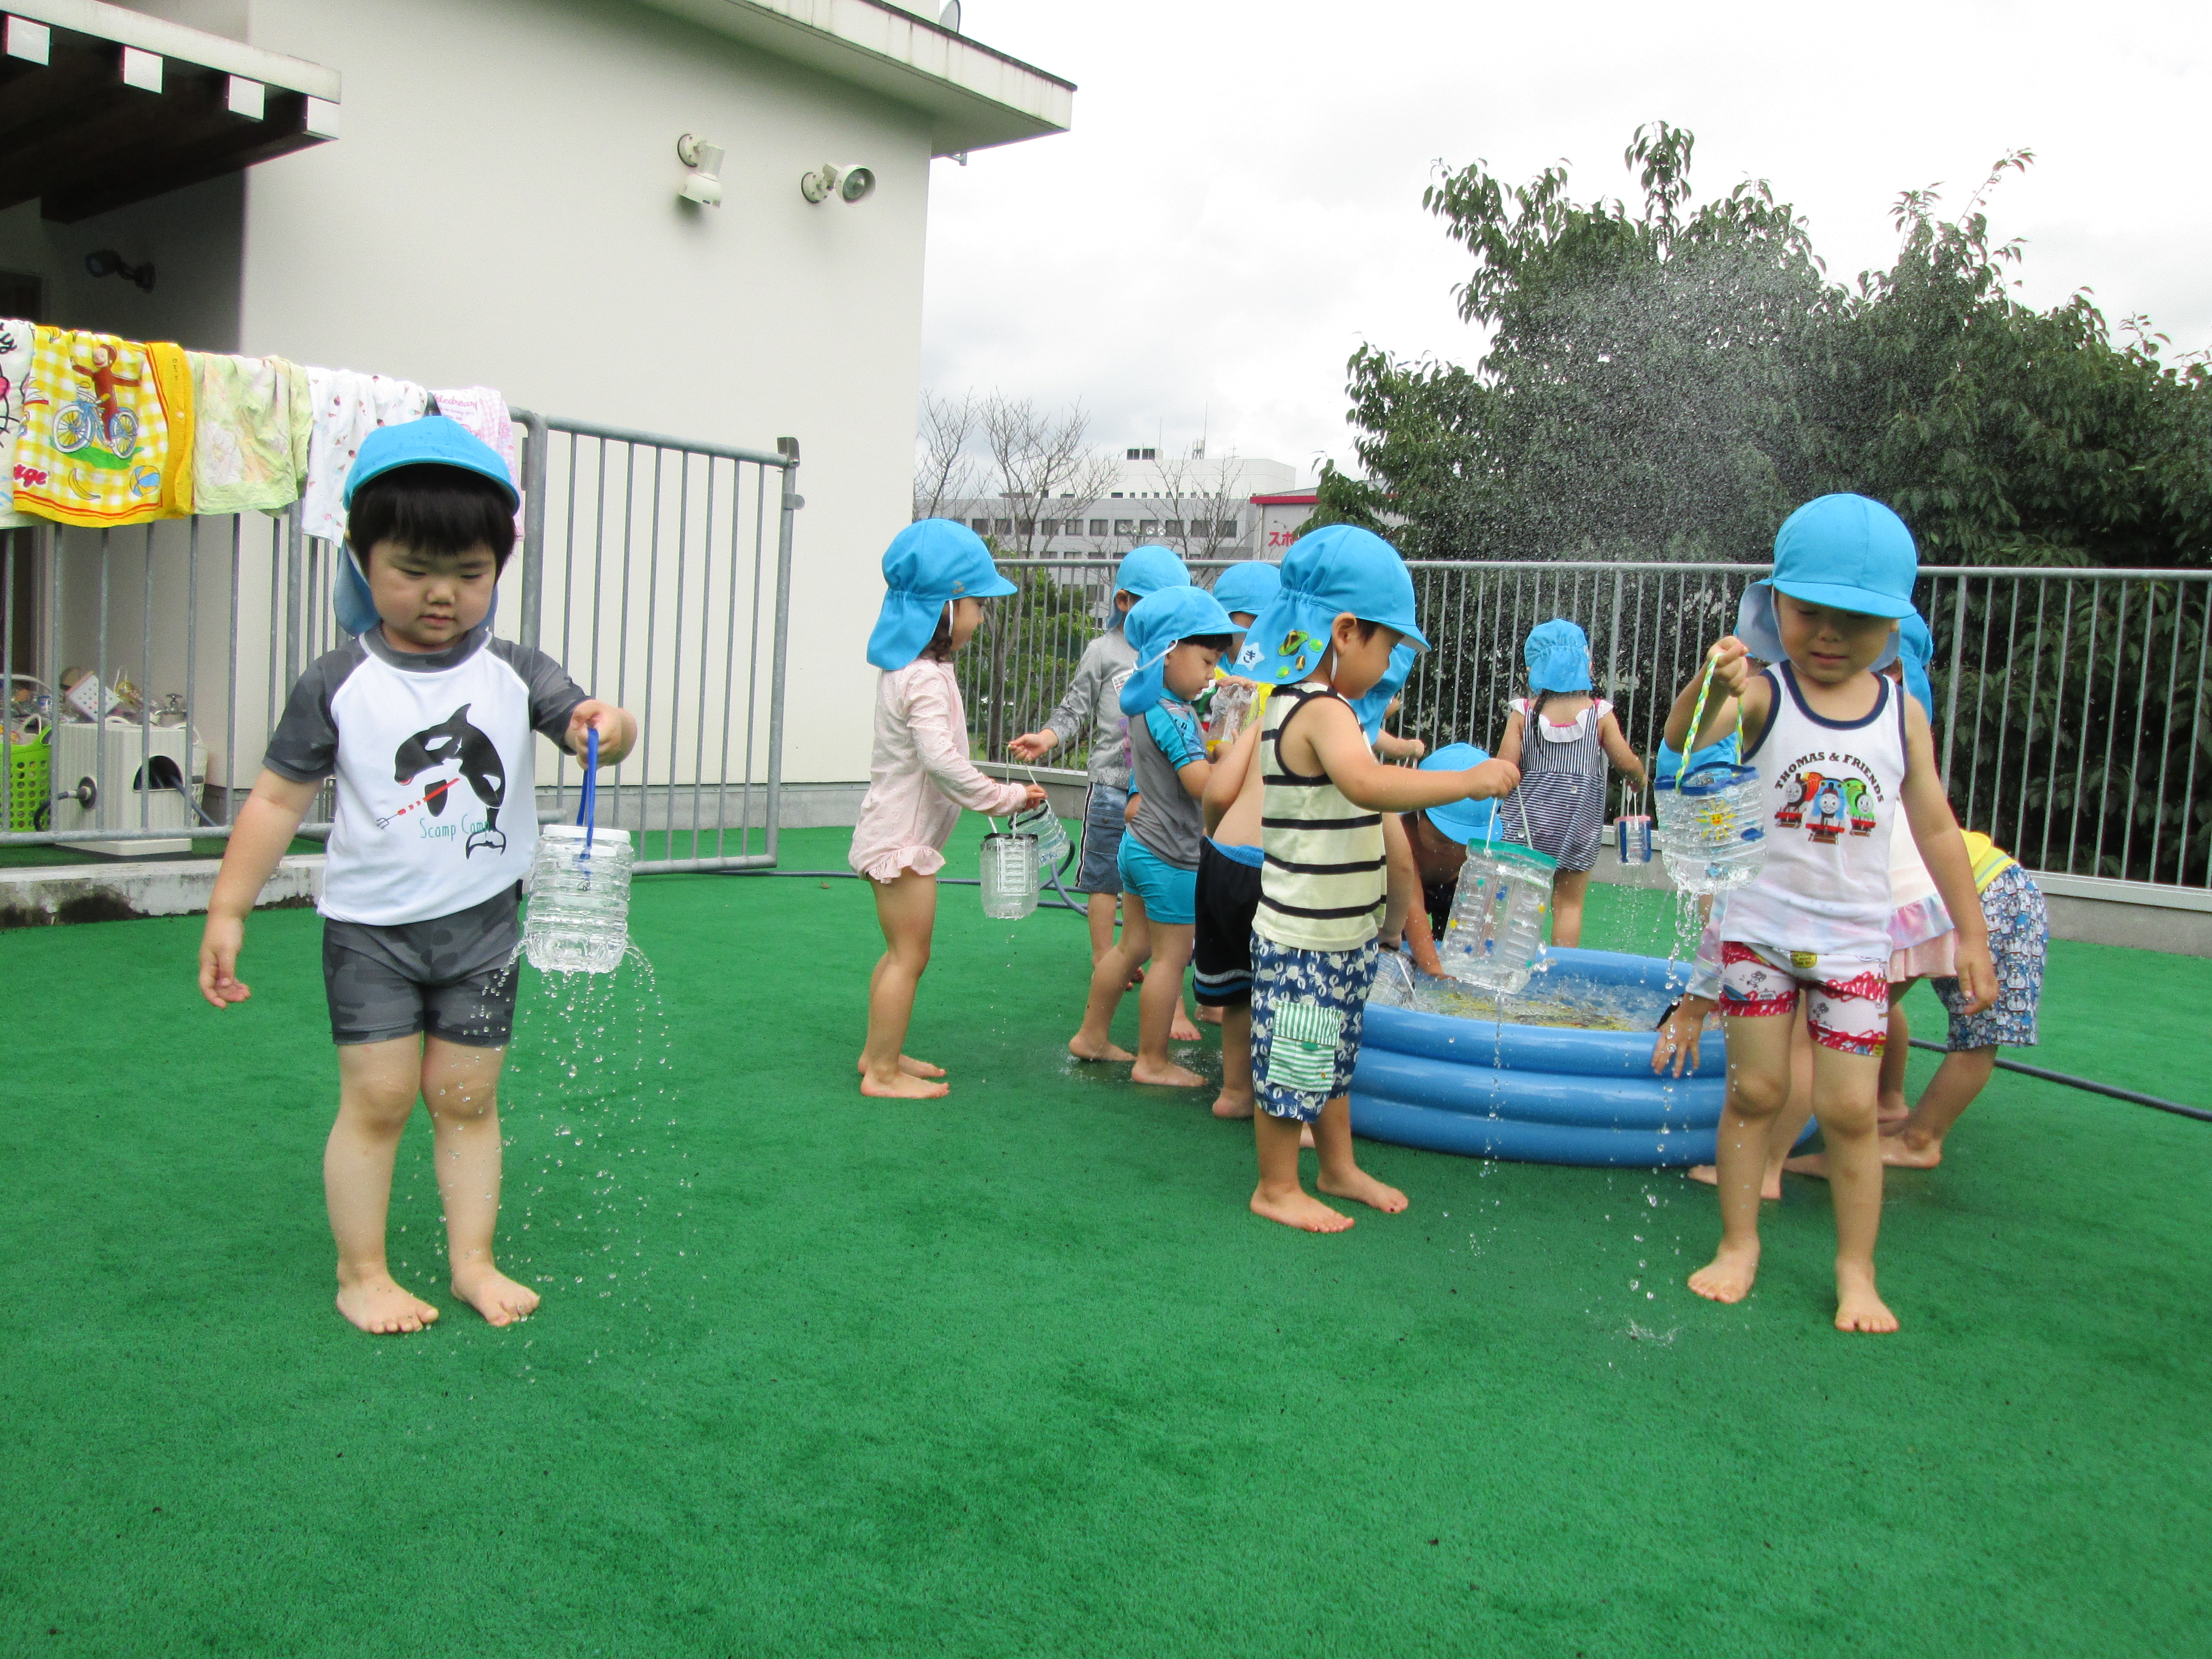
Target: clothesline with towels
x: 101, y: 431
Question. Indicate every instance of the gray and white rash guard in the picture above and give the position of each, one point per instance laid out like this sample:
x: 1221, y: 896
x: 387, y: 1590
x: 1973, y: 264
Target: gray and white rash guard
x: 437, y: 803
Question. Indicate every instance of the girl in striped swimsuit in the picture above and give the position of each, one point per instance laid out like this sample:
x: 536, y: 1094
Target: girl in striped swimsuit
x: 1561, y: 737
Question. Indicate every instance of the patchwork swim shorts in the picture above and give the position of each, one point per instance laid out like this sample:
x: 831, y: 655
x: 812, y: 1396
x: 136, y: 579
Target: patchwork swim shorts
x: 1846, y: 999
x: 1307, y: 1010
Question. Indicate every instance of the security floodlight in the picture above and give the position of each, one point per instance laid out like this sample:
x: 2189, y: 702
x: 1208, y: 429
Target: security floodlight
x: 851, y: 182
x: 857, y: 181
x: 704, y: 184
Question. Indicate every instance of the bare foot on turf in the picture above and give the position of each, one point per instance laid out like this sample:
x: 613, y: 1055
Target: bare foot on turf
x: 1170, y: 1076
x: 1858, y: 1308
x: 1299, y: 1209
x: 1769, y: 1189
x: 1103, y: 1051
x: 1898, y: 1151
x: 1181, y: 1030
x: 1363, y: 1189
x: 493, y: 1295
x: 1815, y: 1164
x: 908, y: 1064
x: 901, y: 1085
x: 379, y: 1306
x: 1728, y: 1277
x: 1237, y: 1106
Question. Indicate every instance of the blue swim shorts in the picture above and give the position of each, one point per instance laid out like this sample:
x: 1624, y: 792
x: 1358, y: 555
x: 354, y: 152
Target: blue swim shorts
x: 1170, y: 894
x: 1102, y: 825
x: 1307, y: 1010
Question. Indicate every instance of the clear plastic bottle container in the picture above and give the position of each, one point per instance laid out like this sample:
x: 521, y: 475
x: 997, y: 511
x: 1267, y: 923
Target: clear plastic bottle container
x: 579, y: 918
x: 1497, y: 916
x: 1010, y: 876
x: 1718, y: 837
x: 1051, y: 834
x: 1232, y: 703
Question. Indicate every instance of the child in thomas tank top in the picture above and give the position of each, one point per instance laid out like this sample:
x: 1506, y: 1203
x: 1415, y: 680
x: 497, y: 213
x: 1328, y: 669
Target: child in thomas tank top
x: 938, y: 574
x: 1324, y: 641
x: 1561, y: 737
x: 1844, y: 761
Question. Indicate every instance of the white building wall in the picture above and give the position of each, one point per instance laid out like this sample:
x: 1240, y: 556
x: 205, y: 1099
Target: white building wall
x: 500, y: 209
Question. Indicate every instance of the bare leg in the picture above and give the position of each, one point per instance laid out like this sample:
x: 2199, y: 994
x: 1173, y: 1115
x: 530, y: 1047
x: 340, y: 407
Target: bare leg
x: 1236, y: 1097
x: 1758, y: 1089
x: 1179, y: 1030
x: 378, y: 1083
x: 1209, y: 1013
x: 460, y: 1085
x: 1340, y: 1175
x: 1569, y: 888
x: 1844, y: 1094
x: 906, y: 909
x: 1896, y: 1050
x: 1099, y: 910
x: 1917, y: 1143
x: 1279, y: 1196
x: 1158, y: 1000
x: 1110, y: 979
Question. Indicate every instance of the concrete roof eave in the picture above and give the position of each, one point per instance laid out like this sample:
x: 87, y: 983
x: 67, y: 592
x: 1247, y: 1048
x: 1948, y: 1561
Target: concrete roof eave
x: 125, y: 27
x: 975, y: 97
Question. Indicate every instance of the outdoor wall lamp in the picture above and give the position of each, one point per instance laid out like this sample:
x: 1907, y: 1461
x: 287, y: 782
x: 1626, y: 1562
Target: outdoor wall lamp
x: 851, y: 181
x: 704, y: 184
x: 108, y: 263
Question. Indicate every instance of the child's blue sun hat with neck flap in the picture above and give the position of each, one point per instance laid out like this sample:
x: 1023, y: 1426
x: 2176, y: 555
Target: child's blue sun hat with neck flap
x: 1557, y: 654
x: 432, y: 441
x: 1843, y: 551
x: 1336, y: 568
x: 1371, y: 705
x: 1248, y: 587
x: 1145, y: 570
x: 1462, y: 820
x: 930, y: 563
x: 1916, y: 645
x: 1154, y: 627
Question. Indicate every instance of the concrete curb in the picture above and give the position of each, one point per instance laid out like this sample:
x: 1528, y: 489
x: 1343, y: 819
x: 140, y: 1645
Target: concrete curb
x: 55, y: 894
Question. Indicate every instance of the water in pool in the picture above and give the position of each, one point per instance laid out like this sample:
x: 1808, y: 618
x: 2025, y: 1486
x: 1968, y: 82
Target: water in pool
x: 1554, y: 996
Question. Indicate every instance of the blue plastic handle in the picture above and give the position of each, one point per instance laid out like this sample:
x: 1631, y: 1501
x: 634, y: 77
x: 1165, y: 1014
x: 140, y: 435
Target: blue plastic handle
x: 587, y: 813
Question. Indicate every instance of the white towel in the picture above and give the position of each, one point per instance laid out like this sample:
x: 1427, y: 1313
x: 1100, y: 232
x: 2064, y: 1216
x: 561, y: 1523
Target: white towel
x: 14, y: 375
x: 348, y: 406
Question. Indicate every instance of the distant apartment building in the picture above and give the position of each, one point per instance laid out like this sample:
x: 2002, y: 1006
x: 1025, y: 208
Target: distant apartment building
x: 1205, y: 509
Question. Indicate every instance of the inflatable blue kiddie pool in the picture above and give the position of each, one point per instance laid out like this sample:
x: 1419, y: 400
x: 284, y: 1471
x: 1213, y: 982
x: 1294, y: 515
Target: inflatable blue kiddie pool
x: 1564, y: 1077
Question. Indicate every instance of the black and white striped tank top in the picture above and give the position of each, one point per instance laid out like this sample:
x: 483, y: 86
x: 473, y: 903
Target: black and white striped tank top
x: 1321, y: 887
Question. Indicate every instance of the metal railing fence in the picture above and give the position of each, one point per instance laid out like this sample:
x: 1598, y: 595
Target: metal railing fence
x: 656, y: 569
x: 2068, y: 703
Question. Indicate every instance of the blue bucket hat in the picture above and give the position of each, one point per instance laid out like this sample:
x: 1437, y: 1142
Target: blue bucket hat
x: 1373, y: 704
x: 1145, y: 570
x: 1462, y: 820
x: 930, y: 563
x: 1248, y: 587
x: 1841, y: 550
x: 1338, y: 567
x: 1916, y: 645
x: 1558, y: 653
x: 432, y: 441
x: 1154, y: 627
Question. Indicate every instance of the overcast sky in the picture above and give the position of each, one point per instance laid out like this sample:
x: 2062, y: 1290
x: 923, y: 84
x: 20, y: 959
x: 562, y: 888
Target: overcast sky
x: 1238, y: 205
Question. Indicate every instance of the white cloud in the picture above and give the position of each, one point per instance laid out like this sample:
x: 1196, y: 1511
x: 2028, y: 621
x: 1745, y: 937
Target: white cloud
x: 1239, y: 203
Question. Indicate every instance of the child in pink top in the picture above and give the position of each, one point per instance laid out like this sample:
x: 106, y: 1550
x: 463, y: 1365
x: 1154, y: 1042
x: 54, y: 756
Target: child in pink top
x: 938, y: 575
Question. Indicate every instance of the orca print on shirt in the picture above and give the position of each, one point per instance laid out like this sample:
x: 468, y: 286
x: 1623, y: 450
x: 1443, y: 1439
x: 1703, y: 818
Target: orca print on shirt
x: 454, y: 739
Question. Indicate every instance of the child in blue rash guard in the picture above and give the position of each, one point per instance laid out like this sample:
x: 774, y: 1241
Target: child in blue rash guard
x: 426, y: 722
x: 1090, y: 704
x: 1178, y: 635
x: 1814, y: 924
x: 1345, y: 605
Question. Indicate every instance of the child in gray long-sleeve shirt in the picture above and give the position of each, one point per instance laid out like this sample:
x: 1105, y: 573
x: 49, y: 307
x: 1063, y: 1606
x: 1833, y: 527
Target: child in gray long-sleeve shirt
x: 1092, y: 703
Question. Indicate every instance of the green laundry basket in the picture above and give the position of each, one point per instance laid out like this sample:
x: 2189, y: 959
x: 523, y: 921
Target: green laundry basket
x: 30, y: 784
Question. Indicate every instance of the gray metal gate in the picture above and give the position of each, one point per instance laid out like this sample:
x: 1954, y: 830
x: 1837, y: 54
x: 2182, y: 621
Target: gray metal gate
x: 658, y: 569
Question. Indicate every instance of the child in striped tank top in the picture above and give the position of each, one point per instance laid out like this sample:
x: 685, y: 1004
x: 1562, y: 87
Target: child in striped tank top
x: 1346, y: 604
x: 1844, y: 762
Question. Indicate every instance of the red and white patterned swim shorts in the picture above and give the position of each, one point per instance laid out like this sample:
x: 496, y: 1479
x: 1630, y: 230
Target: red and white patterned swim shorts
x: 1846, y: 1000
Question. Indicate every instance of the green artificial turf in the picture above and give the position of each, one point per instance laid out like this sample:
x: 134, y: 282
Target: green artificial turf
x: 1017, y: 1373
